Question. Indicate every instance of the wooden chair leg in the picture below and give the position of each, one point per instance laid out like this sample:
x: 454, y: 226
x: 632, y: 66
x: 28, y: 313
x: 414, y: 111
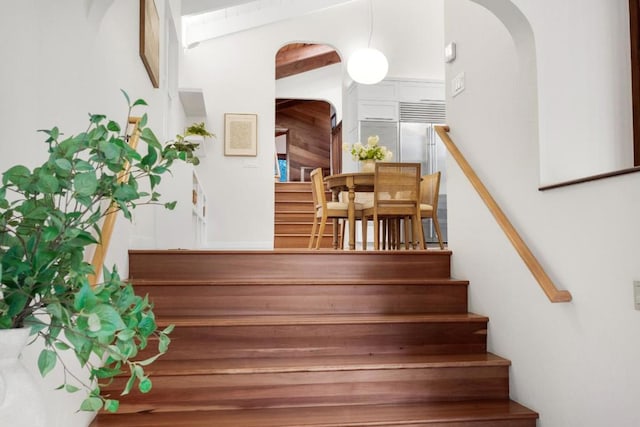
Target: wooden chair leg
x: 408, y: 234
x: 417, y: 223
x: 323, y: 223
x: 376, y: 233
x: 341, y: 237
x: 364, y: 233
x: 436, y: 225
x: 313, y: 231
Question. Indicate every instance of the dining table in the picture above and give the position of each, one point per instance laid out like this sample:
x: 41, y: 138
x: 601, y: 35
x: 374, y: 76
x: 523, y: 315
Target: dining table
x: 349, y: 182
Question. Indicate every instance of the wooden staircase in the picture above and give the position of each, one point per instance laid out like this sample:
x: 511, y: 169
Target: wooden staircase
x: 294, y: 216
x: 316, y: 339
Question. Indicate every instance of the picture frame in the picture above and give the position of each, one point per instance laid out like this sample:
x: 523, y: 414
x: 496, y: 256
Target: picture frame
x: 240, y: 134
x: 150, y: 40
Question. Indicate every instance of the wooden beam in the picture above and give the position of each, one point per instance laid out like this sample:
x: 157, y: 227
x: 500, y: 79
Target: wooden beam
x: 304, y: 58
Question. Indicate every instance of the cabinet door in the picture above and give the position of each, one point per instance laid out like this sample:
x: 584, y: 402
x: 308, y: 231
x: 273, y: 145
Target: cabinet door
x: 420, y: 91
x: 383, y: 91
x: 378, y: 111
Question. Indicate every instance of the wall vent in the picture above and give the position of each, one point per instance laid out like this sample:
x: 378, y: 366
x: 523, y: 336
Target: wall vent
x: 423, y: 112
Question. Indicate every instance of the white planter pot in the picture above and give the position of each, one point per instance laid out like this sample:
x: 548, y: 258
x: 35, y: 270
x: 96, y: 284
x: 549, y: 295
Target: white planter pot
x: 21, y: 403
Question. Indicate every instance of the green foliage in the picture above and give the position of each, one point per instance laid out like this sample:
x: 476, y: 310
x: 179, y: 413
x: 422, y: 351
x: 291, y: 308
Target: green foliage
x: 48, y: 217
x: 187, y: 148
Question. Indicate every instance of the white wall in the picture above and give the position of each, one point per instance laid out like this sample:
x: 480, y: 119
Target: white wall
x: 62, y: 60
x: 575, y: 363
x: 237, y: 75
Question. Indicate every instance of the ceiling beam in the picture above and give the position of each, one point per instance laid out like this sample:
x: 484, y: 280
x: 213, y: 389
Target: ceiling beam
x: 304, y: 58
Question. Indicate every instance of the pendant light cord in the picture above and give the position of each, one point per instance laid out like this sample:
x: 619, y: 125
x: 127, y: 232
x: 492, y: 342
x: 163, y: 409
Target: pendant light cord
x: 370, y: 22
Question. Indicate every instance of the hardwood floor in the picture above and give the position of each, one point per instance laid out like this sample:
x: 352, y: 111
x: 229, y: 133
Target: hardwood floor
x: 316, y: 338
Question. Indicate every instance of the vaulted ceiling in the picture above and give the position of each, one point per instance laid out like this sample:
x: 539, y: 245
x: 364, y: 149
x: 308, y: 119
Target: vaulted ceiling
x: 206, y: 19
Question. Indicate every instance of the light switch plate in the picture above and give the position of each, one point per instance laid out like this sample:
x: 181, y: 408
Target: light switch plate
x: 457, y: 84
x: 636, y: 294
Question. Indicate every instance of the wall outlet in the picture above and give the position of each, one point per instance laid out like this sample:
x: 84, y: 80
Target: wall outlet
x: 636, y: 294
x: 457, y: 84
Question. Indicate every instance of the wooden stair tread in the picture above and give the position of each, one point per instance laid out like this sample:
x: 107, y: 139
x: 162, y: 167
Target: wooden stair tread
x: 326, y: 319
x: 492, y: 413
x: 298, y: 282
x: 322, y: 364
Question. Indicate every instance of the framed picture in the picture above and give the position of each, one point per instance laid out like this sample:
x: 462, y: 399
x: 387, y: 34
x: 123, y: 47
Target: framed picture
x: 150, y: 40
x: 240, y: 134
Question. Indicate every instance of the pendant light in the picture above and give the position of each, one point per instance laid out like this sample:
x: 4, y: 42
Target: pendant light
x: 368, y: 66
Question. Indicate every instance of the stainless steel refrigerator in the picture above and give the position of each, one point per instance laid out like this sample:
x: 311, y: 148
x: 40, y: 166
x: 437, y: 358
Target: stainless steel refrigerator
x: 412, y: 141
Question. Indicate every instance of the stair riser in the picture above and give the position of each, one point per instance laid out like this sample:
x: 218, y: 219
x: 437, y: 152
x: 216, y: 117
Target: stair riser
x: 278, y: 390
x: 296, y: 206
x: 292, y: 242
x: 264, y: 265
x: 294, y: 216
x: 300, y: 299
x: 326, y: 340
x: 297, y: 228
x: 294, y: 196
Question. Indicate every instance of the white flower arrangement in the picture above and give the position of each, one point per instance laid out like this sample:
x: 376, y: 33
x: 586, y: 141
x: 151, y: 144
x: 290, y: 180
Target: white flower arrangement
x: 371, y: 151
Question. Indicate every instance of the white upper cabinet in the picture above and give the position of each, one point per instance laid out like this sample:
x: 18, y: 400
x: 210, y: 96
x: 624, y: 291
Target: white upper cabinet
x: 420, y: 91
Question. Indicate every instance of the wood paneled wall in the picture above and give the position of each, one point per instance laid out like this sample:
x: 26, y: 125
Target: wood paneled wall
x: 309, y: 136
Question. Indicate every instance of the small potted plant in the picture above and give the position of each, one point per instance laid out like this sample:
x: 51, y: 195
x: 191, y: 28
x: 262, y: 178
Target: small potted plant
x: 187, y: 144
x: 49, y: 215
x: 368, y: 154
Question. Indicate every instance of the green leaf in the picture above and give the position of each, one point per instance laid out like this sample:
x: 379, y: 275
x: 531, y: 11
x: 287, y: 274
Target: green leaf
x: 85, y: 184
x: 113, y: 126
x: 171, y: 205
x: 109, y: 316
x: 63, y: 164
x: 71, y: 388
x: 62, y: 346
x: 46, y: 183
x: 85, y: 298
x: 96, y: 118
x: 109, y: 150
x: 149, y: 137
x: 169, y: 329
x: 18, y: 175
x: 91, y: 404
x: 163, y: 343
x: 129, y: 385
x: 46, y: 361
x: 145, y: 385
x: 147, y: 325
x: 126, y: 96
x: 94, y: 322
x: 49, y: 233
x: 111, y: 405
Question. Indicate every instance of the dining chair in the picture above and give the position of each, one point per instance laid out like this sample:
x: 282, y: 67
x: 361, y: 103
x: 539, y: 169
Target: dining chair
x: 323, y: 209
x: 396, y: 194
x: 429, y: 193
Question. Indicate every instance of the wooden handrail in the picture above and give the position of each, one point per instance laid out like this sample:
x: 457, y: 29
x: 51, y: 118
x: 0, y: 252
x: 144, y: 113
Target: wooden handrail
x: 521, y: 247
x: 110, y: 217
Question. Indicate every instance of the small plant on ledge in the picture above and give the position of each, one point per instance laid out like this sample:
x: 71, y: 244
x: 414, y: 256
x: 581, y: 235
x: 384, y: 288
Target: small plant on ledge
x: 186, y: 147
x: 49, y: 215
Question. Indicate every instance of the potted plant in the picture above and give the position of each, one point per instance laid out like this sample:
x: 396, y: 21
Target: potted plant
x: 369, y: 154
x: 49, y: 215
x: 188, y: 146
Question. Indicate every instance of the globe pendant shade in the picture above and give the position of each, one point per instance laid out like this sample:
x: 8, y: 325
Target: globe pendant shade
x: 367, y: 66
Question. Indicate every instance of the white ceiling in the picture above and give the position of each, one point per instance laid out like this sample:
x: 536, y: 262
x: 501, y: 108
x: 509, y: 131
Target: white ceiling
x: 207, y: 19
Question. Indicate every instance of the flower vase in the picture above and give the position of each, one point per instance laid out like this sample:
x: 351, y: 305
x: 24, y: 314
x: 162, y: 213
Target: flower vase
x: 368, y: 165
x: 21, y: 402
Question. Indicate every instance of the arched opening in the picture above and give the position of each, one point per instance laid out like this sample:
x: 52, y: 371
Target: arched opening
x: 306, y: 123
